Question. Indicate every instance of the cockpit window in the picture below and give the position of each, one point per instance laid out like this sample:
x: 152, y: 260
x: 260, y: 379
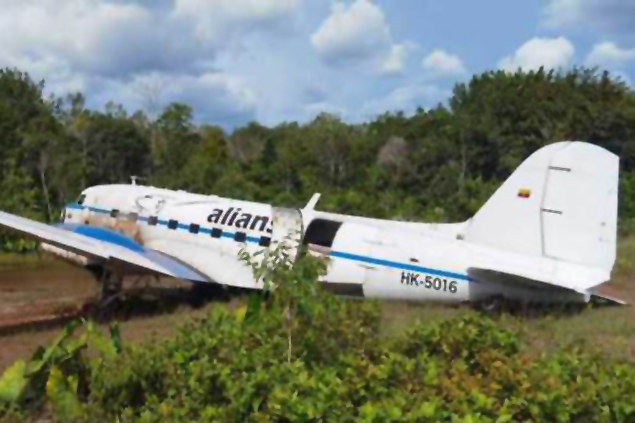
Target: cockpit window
x: 81, y: 198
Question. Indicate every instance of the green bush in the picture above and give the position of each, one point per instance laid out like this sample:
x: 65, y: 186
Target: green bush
x: 216, y: 369
x: 221, y: 369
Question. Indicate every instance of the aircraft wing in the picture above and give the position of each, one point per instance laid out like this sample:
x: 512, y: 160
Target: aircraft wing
x: 102, y: 245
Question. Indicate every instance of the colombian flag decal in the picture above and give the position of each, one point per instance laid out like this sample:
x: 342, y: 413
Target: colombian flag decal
x: 524, y: 193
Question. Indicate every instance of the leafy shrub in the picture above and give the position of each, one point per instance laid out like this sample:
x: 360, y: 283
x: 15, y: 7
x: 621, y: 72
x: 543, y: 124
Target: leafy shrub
x: 58, y: 373
x: 216, y: 370
x: 462, y: 338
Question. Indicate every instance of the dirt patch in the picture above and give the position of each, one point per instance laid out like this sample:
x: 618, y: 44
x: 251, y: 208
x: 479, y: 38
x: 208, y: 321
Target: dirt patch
x: 43, y: 289
x: 38, y: 295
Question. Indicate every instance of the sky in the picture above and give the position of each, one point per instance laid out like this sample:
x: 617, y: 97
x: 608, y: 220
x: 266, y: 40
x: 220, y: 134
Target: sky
x: 276, y: 61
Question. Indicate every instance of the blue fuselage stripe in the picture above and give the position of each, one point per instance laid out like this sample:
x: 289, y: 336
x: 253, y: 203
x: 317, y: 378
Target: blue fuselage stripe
x: 337, y: 254
x: 397, y: 265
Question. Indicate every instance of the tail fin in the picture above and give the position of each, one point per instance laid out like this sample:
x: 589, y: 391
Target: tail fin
x: 560, y: 203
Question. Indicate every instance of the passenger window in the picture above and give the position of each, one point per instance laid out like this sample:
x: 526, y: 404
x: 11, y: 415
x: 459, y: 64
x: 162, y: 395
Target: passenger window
x: 173, y: 224
x: 153, y: 220
x: 194, y: 228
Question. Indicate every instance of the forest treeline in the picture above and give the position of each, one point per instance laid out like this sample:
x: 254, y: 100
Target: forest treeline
x: 439, y: 165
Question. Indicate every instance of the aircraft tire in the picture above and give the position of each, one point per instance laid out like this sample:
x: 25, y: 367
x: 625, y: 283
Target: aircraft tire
x: 201, y: 292
x: 492, y: 305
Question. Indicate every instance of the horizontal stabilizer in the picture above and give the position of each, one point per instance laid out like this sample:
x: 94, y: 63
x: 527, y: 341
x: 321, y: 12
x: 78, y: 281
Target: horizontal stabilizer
x: 569, y: 276
x: 607, y: 299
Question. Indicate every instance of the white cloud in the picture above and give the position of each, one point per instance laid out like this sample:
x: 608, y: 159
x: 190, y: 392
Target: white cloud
x: 605, y: 15
x: 395, y: 60
x: 214, y: 19
x: 359, y: 33
x: 353, y: 32
x: 59, y: 77
x: 236, y: 10
x: 442, y: 63
x: 225, y: 58
x: 552, y: 53
x: 609, y: 55
x: 92, y: 37
x: 108, y: 38
x: 106, y: 48
x: 219, y: 97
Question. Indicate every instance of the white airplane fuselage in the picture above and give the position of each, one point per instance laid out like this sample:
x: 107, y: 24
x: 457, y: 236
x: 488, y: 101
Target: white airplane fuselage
x: 368, y: 257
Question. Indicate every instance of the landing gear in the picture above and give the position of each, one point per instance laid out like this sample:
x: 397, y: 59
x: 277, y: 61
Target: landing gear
x: 110, y: 285
x: 492, y: 305
x: 201, y: 293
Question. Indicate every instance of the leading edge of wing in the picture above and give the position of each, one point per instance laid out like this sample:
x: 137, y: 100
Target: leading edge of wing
x: 103, y: 244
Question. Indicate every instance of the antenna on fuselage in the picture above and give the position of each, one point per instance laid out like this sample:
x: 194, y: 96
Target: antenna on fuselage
x: 312, y: 202
x: 134, y: 178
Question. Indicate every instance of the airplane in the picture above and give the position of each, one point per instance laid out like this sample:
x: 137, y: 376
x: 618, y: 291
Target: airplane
x: 547, y: 235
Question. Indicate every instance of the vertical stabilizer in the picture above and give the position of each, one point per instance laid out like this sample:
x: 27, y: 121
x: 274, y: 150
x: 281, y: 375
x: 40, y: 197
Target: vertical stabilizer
x: 560, y: 203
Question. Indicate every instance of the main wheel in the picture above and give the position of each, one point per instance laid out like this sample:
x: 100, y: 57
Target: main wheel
x: 202, y: 292
x: 110, y: 284
x: 492, y: 305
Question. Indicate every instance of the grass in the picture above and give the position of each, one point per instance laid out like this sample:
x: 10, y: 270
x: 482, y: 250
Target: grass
x: 607, y: 331
x: 33, y: 260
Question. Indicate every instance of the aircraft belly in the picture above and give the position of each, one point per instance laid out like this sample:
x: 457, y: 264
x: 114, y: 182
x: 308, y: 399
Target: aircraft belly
x: 487, y: 284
